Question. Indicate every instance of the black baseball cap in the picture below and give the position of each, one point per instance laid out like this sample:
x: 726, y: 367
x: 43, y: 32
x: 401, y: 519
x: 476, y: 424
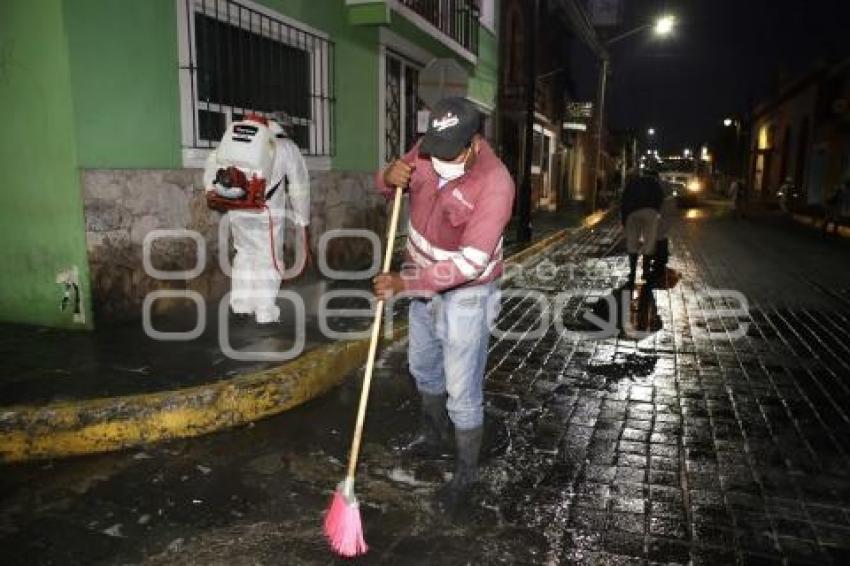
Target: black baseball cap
x: 453, y: 123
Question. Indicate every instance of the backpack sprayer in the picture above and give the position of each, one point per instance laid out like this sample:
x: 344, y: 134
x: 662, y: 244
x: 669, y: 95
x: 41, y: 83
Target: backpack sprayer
x: 244, y: 159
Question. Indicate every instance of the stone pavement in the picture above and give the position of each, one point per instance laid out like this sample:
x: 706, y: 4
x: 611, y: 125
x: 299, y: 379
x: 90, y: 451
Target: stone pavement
x: 719, y: 437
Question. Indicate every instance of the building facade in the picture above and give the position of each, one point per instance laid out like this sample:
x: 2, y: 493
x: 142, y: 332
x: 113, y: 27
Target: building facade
x: 803, y: 133
x: 118, y: 102
x: 563, y: 155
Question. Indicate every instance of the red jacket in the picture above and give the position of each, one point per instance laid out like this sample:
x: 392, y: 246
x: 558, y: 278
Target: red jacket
x: 455, y: 233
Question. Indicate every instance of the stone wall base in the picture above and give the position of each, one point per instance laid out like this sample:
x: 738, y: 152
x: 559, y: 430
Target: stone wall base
x: 123, y: 206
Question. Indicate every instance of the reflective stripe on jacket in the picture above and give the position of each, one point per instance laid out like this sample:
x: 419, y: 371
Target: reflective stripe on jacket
x: 455, y: 232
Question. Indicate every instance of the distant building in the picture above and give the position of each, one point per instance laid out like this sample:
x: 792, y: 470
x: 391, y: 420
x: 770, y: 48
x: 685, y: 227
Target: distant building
x: 803, y: 133
x: 563, y: 154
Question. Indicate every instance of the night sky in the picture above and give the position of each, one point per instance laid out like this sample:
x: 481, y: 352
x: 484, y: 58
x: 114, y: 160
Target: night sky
x: 725, y: 56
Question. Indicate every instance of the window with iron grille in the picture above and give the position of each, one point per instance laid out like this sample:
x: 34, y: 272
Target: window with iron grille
x: 402, y: 105
x: 240, y: 58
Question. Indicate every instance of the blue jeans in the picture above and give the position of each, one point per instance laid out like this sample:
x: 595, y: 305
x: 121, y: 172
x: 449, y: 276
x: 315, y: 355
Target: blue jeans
x: 447, y: 352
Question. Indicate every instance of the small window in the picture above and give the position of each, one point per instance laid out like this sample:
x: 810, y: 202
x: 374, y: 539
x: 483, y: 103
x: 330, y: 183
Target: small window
x: 402, y: 105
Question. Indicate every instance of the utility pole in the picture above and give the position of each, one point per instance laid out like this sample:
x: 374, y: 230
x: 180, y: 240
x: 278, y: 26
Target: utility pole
x: 524, y: 196
x: 600, y: 120
x: 634, y: 151
x: 662, y: 26
x: 623, y: 166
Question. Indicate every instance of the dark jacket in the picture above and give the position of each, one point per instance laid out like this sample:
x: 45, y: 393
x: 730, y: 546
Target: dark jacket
x: 641, y: 192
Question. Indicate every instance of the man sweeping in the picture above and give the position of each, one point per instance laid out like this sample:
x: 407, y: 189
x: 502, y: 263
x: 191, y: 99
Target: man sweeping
x: 461, y: 196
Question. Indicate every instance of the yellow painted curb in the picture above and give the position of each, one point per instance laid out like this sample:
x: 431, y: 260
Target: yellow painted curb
x: 114, y: 423
x: 811, y: 221
x: 557, y: 237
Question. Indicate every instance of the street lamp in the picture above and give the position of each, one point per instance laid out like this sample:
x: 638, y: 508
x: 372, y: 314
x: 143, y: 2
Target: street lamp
x: 650, y: 132
x: 737, y: 164
x: 662, y: 26
x: 687, y: 152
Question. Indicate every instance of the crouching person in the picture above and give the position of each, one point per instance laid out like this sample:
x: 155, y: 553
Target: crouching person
x: 461, y: 197
x: 639, y: 210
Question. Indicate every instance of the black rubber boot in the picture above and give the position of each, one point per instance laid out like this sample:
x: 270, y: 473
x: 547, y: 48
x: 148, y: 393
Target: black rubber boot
x: 456, y: 494
x: 662, y: 256
x: 630, y: 282
x: 434, y: 437
x: 648, y: 265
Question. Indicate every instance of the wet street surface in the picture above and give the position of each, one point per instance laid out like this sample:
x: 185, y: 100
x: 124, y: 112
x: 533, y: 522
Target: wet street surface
x: 713, y: 430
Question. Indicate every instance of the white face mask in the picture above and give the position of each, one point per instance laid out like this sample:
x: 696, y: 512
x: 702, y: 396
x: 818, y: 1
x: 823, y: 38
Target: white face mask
x: 447, y: 170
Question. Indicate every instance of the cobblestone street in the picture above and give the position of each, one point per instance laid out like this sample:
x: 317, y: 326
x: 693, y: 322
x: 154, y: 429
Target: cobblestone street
x: 720, y: 437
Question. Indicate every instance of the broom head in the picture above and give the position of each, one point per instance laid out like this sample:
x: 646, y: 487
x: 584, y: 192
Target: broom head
x: 343, y: 527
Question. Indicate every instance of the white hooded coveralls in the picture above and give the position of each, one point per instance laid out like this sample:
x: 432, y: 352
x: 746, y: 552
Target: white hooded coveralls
x: 257, y: 266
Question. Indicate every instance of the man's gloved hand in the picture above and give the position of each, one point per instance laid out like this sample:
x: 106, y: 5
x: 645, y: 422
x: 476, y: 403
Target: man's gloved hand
x: 398, y: 174
x: 387, y: 284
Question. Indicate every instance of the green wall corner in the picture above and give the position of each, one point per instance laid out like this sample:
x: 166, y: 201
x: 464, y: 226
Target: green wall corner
x: 41, y: 223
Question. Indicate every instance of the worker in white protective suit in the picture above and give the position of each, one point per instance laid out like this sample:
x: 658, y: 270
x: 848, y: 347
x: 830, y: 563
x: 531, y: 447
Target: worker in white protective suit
x: 258, y: 235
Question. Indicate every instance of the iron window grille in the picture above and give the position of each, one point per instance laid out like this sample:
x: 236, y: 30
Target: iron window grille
x: 242, y: 61
x: 403, y: 105
x: 458, y: 19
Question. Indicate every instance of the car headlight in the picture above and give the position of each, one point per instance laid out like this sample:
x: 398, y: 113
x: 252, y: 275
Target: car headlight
x: 694, y: 186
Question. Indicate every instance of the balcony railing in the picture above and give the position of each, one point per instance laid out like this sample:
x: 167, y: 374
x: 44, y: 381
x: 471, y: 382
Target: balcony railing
x: 458, y: 19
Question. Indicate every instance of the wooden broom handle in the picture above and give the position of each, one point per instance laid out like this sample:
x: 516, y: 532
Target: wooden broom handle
x: 373, y: 348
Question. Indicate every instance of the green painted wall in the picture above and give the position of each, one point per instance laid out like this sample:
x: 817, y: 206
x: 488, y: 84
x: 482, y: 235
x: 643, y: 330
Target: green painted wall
x: 94, y: 84
x: 124, y: 77
x: 41, y: 220
x: 356, y: 78
x: 126, y: 90
x: 484, y: 82
x: 375, y: 12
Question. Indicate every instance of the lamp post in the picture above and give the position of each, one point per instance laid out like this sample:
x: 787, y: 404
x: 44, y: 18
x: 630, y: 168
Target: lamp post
x: 651, y: 140
x: 736, y: 160
x: 662, y: 26
x: 523, y: 229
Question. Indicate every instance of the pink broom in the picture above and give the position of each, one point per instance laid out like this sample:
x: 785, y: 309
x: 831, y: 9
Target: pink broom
x: 343, y: 526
